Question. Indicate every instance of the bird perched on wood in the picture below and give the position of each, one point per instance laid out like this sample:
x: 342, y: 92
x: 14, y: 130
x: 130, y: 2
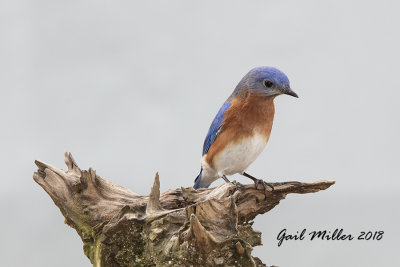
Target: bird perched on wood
x: 241, y: 129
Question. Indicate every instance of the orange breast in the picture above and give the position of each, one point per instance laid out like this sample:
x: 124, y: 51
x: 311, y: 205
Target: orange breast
x: 248, y: 114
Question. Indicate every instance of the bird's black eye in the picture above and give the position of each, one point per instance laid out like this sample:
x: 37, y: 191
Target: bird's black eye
x: 268, y: 83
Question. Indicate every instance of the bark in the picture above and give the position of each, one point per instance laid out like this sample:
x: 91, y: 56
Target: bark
x: 181, y: 227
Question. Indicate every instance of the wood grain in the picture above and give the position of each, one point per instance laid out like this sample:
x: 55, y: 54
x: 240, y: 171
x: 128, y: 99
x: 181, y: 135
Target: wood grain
x: 181, y: 227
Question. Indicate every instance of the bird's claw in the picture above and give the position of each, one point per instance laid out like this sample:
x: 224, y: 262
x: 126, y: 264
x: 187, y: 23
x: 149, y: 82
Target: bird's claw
x: 237, y: 184
x: 264, y: 184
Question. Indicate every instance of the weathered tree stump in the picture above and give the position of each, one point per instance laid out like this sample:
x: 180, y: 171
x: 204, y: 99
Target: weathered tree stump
x: 181, y: 227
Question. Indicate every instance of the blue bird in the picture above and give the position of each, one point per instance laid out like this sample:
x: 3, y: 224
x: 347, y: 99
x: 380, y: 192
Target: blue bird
x: 242, y: 126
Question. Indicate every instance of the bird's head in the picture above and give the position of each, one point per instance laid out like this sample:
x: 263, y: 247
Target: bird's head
x: 267, y: 81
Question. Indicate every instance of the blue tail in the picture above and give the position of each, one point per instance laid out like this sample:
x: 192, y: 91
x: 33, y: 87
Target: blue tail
x: 197, y: 180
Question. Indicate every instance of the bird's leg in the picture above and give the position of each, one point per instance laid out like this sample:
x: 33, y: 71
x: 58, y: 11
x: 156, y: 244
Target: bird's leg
x: 237, y: 184
x: 225, y: 179
x: 258, y: 181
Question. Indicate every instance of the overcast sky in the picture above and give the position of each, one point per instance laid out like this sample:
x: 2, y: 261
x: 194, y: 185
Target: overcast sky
x: 131, y: 89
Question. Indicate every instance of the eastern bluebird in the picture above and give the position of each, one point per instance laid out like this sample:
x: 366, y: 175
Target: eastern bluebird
x: 241, y: 129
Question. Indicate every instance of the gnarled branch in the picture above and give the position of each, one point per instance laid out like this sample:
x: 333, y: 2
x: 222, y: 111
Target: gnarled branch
x: 181, y: 227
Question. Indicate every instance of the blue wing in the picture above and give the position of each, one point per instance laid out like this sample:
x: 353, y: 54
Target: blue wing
x: 215, y: 127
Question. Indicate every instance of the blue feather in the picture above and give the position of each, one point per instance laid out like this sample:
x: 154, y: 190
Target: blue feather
x: 197, y: 180
x: 215, y: 127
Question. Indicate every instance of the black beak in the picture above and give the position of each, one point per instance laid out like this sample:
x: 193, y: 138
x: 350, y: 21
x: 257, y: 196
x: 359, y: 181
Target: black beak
x: 290, y: 92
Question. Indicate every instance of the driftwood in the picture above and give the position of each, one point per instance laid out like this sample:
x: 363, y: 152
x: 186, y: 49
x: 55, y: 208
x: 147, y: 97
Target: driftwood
x: 181, y: 227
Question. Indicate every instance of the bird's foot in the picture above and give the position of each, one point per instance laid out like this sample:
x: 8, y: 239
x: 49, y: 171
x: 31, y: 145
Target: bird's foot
x: 264, y: 184
x: 259, y: 181
x: 237, y: 184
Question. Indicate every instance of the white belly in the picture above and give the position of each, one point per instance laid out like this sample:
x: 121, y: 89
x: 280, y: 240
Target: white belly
x: 237, y: 157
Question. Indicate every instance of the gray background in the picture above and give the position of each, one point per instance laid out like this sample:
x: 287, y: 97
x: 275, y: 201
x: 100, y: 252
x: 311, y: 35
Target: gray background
x: 131, y: 88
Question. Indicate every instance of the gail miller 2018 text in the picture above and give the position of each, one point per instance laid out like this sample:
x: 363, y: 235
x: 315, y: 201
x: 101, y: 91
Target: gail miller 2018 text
x: 337, y: 235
